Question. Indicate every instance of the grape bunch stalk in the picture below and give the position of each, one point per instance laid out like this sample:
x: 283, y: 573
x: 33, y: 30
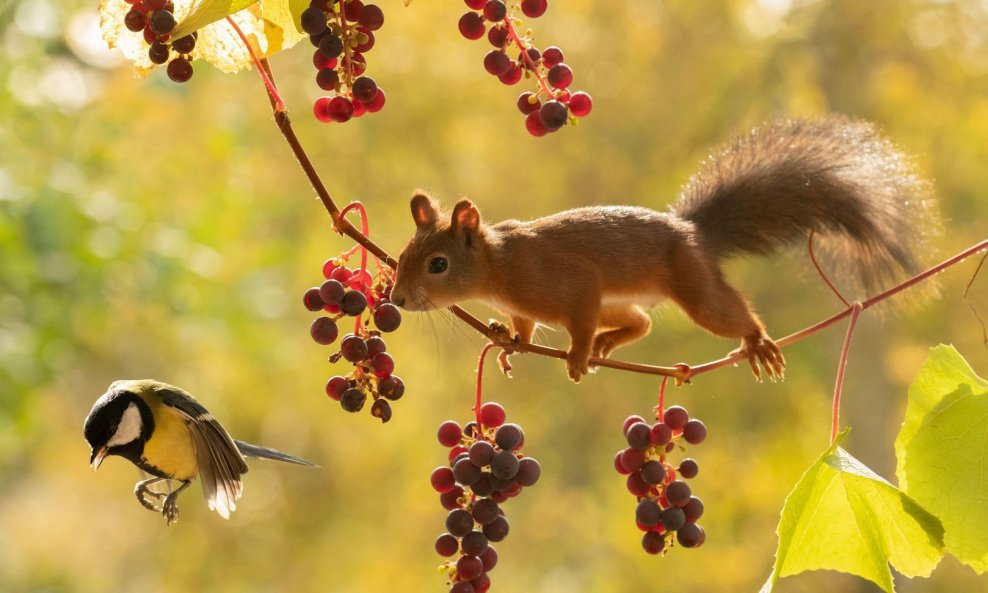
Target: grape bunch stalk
x: 667, y: 509
x: 155, y: 20
x: 486, y: 468
x: 342, y: 31
x: 552, y: 105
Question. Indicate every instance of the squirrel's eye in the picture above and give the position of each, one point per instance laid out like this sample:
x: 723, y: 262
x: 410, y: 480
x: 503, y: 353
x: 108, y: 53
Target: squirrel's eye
x: 438, y: 265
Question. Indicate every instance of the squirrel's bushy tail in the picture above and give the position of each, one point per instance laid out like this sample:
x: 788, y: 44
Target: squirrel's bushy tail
x: 838, y: 177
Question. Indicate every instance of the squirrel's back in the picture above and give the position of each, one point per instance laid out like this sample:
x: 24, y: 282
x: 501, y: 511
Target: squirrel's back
x: 835, y: 176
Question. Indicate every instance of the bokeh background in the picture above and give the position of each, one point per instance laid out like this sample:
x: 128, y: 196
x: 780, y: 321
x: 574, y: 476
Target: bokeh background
x: 149, y: 229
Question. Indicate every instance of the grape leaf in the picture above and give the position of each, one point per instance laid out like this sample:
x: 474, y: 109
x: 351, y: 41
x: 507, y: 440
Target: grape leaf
x: 842, y: 516
x: 205, y: 12
x: 283, y: 24
x: 942, y: 452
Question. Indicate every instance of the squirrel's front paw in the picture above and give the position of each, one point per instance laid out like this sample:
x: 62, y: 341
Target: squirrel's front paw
x: 577, y: 365
x: 762, y: 351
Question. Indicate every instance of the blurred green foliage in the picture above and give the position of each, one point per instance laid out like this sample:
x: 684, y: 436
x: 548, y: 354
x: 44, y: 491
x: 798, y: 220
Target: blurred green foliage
x: 155, y: 230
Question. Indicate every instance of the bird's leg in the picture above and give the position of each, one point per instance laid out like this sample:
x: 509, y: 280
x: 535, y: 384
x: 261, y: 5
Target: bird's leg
x: 148, y: 498
x: 170, y: 508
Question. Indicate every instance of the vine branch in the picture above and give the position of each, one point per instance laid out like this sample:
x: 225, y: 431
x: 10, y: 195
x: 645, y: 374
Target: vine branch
x: 680, y: 372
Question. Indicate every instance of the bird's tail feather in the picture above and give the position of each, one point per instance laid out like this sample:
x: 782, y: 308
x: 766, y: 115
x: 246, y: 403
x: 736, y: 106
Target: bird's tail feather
x: 259, y: 452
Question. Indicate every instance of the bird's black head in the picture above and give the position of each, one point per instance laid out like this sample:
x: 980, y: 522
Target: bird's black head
x: 119, y: 424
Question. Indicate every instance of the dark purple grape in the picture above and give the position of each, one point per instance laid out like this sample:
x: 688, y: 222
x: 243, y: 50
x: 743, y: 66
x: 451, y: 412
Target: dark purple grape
x: 387, y: 317
x: 638, y: 435
x: 495, y: 10
x: 450, y: 500
x: 560, y: 76
x: 509, y: 436
x: 689, y: 535
x: 481, y: 584
x: 695, y: 432
x: 653, y: 472
x: 504, y: 465
x: 496, y: 62
x: 332, y: 291
x: 497, y: 529
x: 313, y: 20
x: 472, y: 25
x: 474, y: 543
x: 678, y: 493
x: 327, y: 79
x: 462, y: 587
x: 371, y: 17
x: 383, y: 364
x: 330, y: 45
x: 446, y: 545
x: 442, y: 479
x: 324, y: 331
x: 375, y: 344
x: 534, y: 8
x: 364, y: 89
x: 552, y: 56
x: 465, y: 472
x: 353, y: 303
x: 661, y: 434
x: 481, y: 453
x: 485, y: 511
x: 693, y: 509
x: 381, y: 409
x: 312, y: 301
x: 483, y: 486
x: 158, y: 52
x: 500, y: 484
x: 652, y: 541
x: 528, y: 102
x: 648, y: 513
x: 688, y: 468
x: 553, y: 115
x: 162, y: 22
x: 135, y: 20
x: 354, y: 348
x: 676, y: 417
x: 498, y: 36
x: 185, y: 45
x: 632, y: 459
x: 489, y: 558
x: 469, y: 567
x: 459, y: 522
x: 336, y: 386
x: 449, y: 433
x: 529, y: 472
x: 353, y: 399
x: 391, y: 387
x: 673, y: 518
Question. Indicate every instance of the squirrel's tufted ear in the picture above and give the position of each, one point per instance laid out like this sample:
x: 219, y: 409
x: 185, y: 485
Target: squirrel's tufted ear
x: 425, y: 210
x: 466, y: 220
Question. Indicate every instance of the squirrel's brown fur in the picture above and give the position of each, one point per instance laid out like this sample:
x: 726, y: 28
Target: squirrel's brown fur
x: 594, y: 270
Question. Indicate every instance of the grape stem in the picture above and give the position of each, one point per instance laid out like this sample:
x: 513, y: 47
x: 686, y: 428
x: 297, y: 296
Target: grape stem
x: 680, y: 372
x: 277, y: 101
x: 480, y: 384
x: 523, y: 48
x: 660, y: 409
x: 365, y: 231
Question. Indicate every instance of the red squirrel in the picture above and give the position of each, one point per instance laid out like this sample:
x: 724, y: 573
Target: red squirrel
x: 595, y: 270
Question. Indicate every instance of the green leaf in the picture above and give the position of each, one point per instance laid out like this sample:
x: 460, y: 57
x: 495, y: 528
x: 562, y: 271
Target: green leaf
x: 942, y: 452
x: 287, y: 25
x: 208, y: 11
x: 842, y: 516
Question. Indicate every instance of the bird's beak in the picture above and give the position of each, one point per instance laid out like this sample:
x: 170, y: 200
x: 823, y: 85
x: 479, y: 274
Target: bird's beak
x: 97, y: 457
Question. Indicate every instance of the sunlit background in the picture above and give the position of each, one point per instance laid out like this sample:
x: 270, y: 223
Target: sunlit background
x: 149, y: 229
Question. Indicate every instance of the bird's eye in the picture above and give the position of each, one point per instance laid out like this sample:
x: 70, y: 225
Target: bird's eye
x: 438, y: 265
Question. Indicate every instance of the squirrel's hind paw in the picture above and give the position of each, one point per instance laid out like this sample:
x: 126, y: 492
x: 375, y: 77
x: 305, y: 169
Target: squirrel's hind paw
x: 763, y: 353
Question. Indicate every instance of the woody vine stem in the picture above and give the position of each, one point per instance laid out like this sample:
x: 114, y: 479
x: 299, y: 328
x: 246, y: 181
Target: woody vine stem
x: 680, y: 372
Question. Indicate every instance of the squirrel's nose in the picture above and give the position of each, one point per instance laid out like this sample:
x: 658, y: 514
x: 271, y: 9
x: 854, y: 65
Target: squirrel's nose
x: 398, y: 301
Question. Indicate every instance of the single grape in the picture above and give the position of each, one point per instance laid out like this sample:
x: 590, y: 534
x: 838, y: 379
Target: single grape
x: 689, y: 535
x: 313, y: 20
x: 580, y: 104
x: 336, y: 386
x: 661, y: 434
x: 387, y: 317
x: 375, y: 344
x: 534, y: 8
x: 476, y: 4
x: 353, y: 399
x: 135, y: 20
x: 552, y: 56
x: 180, y: 69
x: 673, y: 518
x: 185, y: 45
x: 162, y: 22
x: 676, y: 417
x: 637, y: 435
x: 354, y: 348
x: 497, y: 62
x: 653, y: 472
x: 450, y: 500
x: 483, y: 486
x: 481, y: 453
x: 534, y: 125
x: 462, y: 587
x: 353, y: 8
x: 330, y: 45
x: 693, y: 509
x: 158, y: 52
x: 509, y: 437
x: 383, y: 364
x: 381, y: 409
x: 353, y: 302
x: 469, y: 567
x: 695, y: 432
x: 528, y: 102
x: 498, y: 36
x: 504, y: 465
x: 636, y: 485
x: 378, y: 102
x: 391, y: 387
x: 560, y: 76
x: 320, y: 108
x: 529, y: 471
x: 688, y: 468
x: 312, y: 301
x: 512, y: 76
x: 474, y: 543
x: 492, y: 415
x: 442, y: 479
x: 678, y: 493
x: 481, y: 584
x: 553, y: 114
x: 485, y: 511
x: 617, y: 464
x: 465, y: 472
x: 472, y: 25
x: 459, y: 522
x: 447, y: 545
x: 364, y: 89
x: 489, y: 558
x: 648, y: 513
x: 365, y: 40
x: 371, y: 17
x: 332, y: 291
x: 495, y: 10
x: 653, y: 542
x: 497, y: 529
x: 449, y: 433
x: 342, y: 275
x: 632, y: 459
x: 324, y: 331
x: 327, y: 79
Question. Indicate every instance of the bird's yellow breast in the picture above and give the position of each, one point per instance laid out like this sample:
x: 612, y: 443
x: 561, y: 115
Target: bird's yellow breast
x: 170, y: 447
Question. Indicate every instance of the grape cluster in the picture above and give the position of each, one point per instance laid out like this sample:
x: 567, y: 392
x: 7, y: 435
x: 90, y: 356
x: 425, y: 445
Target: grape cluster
x: 666, y: 504
x: 353, y: 293
x: 155, y: 19
x: 553, y: 104
x: 342, y: 31
x: 485, y: 469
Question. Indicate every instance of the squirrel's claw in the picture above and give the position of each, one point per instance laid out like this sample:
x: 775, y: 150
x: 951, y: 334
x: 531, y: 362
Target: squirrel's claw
x: 763, y: 353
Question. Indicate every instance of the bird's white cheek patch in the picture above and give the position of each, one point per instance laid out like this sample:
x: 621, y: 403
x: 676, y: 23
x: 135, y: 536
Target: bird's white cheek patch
x: 129, y: 428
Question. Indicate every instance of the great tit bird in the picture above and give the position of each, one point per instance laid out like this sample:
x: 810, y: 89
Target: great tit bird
x: 167, y: 433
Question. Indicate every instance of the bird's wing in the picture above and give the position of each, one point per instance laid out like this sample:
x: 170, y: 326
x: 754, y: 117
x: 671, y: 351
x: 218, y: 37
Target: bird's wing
x: 219, y: 461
